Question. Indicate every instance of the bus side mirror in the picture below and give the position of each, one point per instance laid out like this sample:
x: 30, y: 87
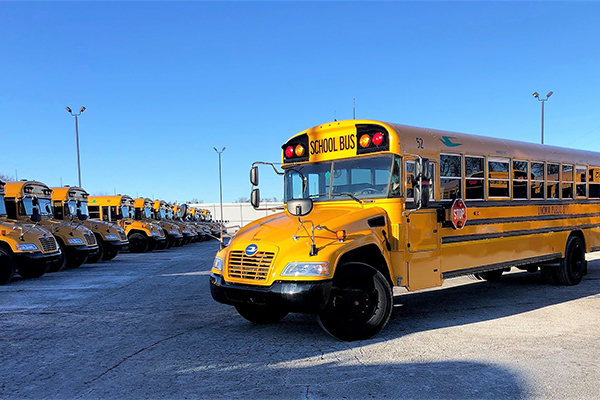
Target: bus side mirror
x: 421, y: 184
x: 35, y: 215
x: 254, y: 176
x: 255, y: 198
x: 81, y: 216
x: 300, y: 207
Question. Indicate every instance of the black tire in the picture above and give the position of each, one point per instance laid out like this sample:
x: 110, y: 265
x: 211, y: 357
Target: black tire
x: 170, y: 240
x: 491, y: 276
x: 109, y: 255
x: 360, y: 303
x: 99, y: 254
x: 62, y: 259
x: 261, y: 314
x: 138, y: 243
x: 7, y: 267
x: 573, y: 266
x: 75, y: 261
x: 163, y: 245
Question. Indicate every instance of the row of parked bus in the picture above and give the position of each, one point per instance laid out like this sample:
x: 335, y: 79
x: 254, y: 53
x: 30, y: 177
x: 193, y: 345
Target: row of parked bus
x: 45, y: 229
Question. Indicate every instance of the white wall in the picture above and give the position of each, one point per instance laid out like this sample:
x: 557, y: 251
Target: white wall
x: 238, y: 213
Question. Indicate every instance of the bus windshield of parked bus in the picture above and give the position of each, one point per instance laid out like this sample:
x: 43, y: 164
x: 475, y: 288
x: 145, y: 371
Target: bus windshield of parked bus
x: 359, y: 178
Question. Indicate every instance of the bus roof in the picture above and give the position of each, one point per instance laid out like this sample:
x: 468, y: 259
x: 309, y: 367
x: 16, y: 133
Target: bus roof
x: 411, y: 140
x: 66, y: 193
x: 25, y: 188
x: 109, y: 200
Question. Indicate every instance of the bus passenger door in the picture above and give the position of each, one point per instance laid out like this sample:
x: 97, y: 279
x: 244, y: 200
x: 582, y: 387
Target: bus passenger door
x: 423, y: 250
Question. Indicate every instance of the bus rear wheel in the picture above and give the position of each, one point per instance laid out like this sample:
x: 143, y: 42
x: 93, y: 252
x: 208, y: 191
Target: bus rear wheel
x: 360, y: 303
x: 573, y: 266
x: 7, y: 266
x: 261, y: 314
x: 137, y: 243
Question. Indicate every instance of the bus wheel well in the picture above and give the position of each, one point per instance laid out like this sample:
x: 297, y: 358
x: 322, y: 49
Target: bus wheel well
x: 370, y: 255
x: 580, y: 235
x: 6, y: 246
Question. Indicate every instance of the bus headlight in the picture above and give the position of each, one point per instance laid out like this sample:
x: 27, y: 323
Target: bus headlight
x: 110, y: 237
x: 298, y: 268
x: 26, y: 247
x: 218, y: 264
x: 173, y: 232
x: 154, y: 233
x: 75, y: 241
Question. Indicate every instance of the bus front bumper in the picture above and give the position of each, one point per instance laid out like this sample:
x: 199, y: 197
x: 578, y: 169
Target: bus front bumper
x: 38, y: 258
x: 80, y: 251
x: 301, y: 296
x: 115, y: 245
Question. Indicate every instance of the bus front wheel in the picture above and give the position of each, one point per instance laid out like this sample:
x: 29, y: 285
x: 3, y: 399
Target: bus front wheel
x: 138, y: 243
x: 360, y: 303
x: 7, y: 266
x: 573, y: 266
x: 261, y: 314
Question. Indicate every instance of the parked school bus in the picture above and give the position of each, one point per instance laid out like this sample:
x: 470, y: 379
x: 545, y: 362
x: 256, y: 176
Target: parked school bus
x: 158, y: 215
x: 30, y: 200
x: 142, y: 236
x: 180, y: 212
x: 353, y: 228
x: 70, y: 203
x: 27, y: 249
x: 183, y: 227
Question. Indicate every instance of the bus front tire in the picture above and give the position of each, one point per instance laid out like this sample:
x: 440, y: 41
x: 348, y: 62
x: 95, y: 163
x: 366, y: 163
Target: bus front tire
x: 60, y: 262
x: 261, y: 314
x: 360, y: 303
x: 75, y: 261
x: 99, y: 254
x: 573, y: 266
x: 138, y: 243
x: 7, y: 267
x: 110, y: 254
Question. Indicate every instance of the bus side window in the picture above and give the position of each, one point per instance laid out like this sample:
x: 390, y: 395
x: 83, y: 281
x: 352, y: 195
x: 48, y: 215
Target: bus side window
x: 450, y: 176
x: 94, y: 212
x: 552, y: 181
x: 498, y: 177
x: 537, y: 180
x: 580, y: 181
x: 520, y: 180
x: 594, y: 181
x: 566, y: 179
x: 474, y: 178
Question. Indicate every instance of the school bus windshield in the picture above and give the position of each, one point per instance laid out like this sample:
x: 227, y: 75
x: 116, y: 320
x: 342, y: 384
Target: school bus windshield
x: 364, y: 177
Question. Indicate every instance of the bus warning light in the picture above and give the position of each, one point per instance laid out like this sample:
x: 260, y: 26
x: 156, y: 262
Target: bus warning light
x: 299, y: 150
x: 365, y: 140
x: 289, y: 151
x: 378, y: 138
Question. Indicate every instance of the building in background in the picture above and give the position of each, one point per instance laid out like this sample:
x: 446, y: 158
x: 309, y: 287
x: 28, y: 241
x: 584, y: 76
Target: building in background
x: 239, y: 214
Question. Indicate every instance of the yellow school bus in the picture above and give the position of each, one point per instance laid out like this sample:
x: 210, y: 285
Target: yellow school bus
x: 26, y: 249
x: 70, y: 203
x: 143, y: 236
x: 180, y: 214
x: 31, y: 201
x: 353, y: 228
x: 158, y: 215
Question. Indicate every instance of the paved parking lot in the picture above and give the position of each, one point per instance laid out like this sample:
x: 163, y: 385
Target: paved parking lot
x: 145, y: 326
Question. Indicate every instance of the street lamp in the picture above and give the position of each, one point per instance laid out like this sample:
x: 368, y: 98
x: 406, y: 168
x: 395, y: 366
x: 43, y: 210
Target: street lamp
x: 220, y: 185
x: 82, y: 109
x: 537, y: 96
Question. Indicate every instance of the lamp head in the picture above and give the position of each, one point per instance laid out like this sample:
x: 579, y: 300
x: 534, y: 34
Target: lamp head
x: 536, y: 95
x: 215, y: 149
x: 68, y: 109
x: 549, y: 94
x: 82, y: 109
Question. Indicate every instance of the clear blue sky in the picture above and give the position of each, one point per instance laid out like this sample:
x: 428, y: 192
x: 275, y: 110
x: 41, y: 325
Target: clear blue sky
x: 165, y: 82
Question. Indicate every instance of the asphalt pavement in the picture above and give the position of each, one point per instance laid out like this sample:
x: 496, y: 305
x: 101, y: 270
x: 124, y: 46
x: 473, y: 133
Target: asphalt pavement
x: 145, y: 326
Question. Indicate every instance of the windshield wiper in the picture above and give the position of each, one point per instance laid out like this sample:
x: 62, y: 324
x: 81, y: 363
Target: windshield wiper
x: 351, y: 195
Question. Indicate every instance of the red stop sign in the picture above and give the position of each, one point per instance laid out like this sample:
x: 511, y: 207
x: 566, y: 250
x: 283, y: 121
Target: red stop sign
x: 458, y: 212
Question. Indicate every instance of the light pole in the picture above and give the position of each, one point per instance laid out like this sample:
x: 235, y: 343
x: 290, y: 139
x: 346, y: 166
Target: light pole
x: 82, y: 109
x: 220, y: 184
x: 537, y: 96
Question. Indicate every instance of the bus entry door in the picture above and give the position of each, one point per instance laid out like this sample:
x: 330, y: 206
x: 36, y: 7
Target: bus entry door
x: 424, y: 250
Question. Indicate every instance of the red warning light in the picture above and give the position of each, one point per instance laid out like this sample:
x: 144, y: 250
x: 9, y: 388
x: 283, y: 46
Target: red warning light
x: 289, y: 152
x: 378, y: 138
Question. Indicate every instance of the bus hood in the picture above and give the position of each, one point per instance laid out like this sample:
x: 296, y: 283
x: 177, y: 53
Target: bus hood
x: 283, y: 226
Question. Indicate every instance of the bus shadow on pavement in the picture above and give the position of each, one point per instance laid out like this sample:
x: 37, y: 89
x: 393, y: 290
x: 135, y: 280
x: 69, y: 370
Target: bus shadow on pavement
x: 478, y: 301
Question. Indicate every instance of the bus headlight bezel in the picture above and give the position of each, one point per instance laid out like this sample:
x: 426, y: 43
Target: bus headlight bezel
x: 305, y: 268
x: 111, y: 236
x: 26, y: 247
x: 75, y: 241
x: 218, y: 264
